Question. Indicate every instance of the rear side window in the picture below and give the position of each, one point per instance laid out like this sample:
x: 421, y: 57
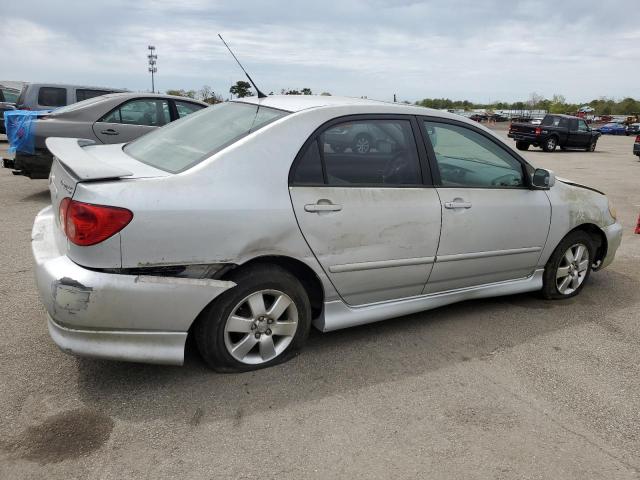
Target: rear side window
x: 52, y: 97
x: 185, y: 108
x: 86, y: 94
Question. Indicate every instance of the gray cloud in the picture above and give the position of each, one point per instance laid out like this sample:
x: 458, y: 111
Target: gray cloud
x: 489, y: 50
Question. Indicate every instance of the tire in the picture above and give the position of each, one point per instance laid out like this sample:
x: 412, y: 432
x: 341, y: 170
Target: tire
x: 521, y: 145
x: 338, y: 148
x: 591, y: 147
x: 230, y: 322
x: 550, y: 144
x: 362, y: 144
x: 577, y: 272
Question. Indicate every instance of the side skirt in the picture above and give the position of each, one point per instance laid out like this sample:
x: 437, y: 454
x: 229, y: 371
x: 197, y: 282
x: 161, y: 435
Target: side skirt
x: 339, y: 315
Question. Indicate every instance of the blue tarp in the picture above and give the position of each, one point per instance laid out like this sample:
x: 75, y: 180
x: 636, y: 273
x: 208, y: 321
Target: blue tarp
x: 21, y: 129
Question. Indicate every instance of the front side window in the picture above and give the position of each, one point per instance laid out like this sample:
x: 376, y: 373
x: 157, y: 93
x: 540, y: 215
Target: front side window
x: 186, y: 108
x: 370, y: 152
x: 52, y: 97
x: 147, y: 112
x: 188, y: 141
x: 582, y: 126
x: 466, y: 158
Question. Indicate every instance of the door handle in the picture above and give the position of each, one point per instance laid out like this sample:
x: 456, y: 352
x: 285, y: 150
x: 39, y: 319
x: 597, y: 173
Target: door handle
x: 322, y: 207
x: 110, y: 131
x: 457, y: 204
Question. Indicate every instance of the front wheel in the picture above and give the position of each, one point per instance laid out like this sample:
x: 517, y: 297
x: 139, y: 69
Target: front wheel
x: 569, y: 267
x: 550, y: 144
x: 591, y: 147
x: 260, y: 322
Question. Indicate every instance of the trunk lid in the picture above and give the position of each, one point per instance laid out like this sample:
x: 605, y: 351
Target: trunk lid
x: 77, y: 160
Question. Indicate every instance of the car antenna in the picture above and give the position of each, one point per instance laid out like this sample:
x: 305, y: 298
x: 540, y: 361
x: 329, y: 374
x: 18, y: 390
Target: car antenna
x: 260, y: 94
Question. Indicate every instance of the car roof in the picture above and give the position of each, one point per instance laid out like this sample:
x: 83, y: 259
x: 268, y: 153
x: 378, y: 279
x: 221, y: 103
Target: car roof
x: 150, y: 95
x: 297, y: 103
x: 69, y: 85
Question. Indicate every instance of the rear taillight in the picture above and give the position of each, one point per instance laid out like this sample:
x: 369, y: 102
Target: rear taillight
x: 638, y: 139
x: 538, y: 130
x: 86, y: 224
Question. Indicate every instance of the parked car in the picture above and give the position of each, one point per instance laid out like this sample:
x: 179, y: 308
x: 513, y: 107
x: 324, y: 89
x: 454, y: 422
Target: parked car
x: 633, y: 129
x: 112, y: 118
x: 562, y: 131
x: 612, y: 129
x: 48, y: 96
x: 636, y: 146
x: 241, y: 225
x: 8, y: 97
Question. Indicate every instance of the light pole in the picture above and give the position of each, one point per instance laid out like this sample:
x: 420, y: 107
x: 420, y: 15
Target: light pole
x: 152, y: 65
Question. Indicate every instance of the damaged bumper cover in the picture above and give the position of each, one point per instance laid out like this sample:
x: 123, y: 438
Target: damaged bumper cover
x: 118, y: 317
x: 614, y: 237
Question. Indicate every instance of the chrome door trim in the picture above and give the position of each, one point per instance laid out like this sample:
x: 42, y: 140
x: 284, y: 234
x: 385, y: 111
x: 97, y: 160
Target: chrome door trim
x: 403, y: 262
x: 493, y: 253
x: 338, y: 315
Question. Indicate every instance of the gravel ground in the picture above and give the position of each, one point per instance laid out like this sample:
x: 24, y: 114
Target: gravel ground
x: 512, y: 387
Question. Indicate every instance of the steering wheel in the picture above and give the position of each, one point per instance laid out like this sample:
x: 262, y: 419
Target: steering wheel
x: 397, y: 169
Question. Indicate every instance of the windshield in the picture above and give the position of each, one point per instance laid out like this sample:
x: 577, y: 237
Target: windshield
x: 188, y: 141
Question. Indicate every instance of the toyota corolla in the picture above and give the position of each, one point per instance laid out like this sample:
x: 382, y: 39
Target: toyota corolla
x: 242, y: 226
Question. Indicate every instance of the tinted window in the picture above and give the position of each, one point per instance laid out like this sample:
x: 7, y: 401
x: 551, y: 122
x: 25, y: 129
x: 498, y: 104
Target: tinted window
x: 466, y: 158
x: 309, y: 168
x: 10, y: 96
x: 185, y: 108
x: 86, y: 94
x: 582, y: 126
x: 147, y: 112
x: 52, y: 97
x: 372, y: 152
x: 185, y: 142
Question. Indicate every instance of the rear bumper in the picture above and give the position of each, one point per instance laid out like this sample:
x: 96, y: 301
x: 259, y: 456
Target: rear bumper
x: 119, y: 317
x: 524, y: 137
x: 33, y: 166
x: 636, y: 149
x: 614, y: 237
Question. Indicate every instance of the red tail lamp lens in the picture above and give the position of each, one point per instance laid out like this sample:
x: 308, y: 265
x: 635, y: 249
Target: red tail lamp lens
x: 86, y: 224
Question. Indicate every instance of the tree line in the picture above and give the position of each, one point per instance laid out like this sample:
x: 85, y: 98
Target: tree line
x: 556, y: 104
x: 240, y: 89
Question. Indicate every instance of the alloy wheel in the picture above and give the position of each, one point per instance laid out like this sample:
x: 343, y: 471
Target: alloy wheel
x: 261, y: 327
x: 572, y: 269
x: 362, y: 145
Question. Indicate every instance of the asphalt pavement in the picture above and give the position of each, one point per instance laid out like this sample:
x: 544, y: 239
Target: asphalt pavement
x: 504, y: 388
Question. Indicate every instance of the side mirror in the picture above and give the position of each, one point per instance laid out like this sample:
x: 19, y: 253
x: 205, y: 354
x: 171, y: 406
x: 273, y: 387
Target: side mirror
x: 543, y: 179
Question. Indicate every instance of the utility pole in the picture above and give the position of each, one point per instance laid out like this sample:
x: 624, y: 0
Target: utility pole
x: 152, y: 65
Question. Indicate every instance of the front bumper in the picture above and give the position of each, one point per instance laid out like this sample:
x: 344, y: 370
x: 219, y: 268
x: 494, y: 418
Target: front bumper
x: 614, y: 237
x: 118, y: 317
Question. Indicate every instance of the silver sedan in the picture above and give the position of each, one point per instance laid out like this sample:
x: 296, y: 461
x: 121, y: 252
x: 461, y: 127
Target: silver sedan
x: 112, y: 118
x: 242, y: 226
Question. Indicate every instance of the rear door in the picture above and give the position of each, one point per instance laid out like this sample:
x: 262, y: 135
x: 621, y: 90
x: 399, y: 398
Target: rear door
x: 368, y: 215
x: 493, y: 226
x: 132, y: 119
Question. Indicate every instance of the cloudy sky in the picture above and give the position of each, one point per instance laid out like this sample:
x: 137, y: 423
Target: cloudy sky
x: 464, y: 49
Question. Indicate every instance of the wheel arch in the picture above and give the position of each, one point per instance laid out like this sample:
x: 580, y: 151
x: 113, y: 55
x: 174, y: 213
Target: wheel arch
x: 599, y: 240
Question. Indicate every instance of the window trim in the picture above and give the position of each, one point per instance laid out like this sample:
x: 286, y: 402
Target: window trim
x: 527, y: 169
x: 425, y: 170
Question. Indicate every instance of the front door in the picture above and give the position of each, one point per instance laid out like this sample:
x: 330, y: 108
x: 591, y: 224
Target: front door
x: 131, y: 120
x: 493, y: 226
x: 365, y: 212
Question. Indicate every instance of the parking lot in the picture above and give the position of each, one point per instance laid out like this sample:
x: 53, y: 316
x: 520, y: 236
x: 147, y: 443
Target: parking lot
x: 510, y: 387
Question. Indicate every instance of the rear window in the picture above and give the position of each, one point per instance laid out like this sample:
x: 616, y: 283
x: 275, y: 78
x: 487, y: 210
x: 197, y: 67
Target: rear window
x: 186, y: 142
x: 10, y: 95
x: 86, y: 93
x: 52, y: 96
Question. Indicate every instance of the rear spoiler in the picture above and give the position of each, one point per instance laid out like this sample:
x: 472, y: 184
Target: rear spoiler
x: 71, y: 154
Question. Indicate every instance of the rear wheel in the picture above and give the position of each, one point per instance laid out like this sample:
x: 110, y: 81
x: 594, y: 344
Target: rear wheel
x: 550, y: 144
x: 521, y: 145
x: 569, y: 266
x: 260, y: 322
x: 362, y: 143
